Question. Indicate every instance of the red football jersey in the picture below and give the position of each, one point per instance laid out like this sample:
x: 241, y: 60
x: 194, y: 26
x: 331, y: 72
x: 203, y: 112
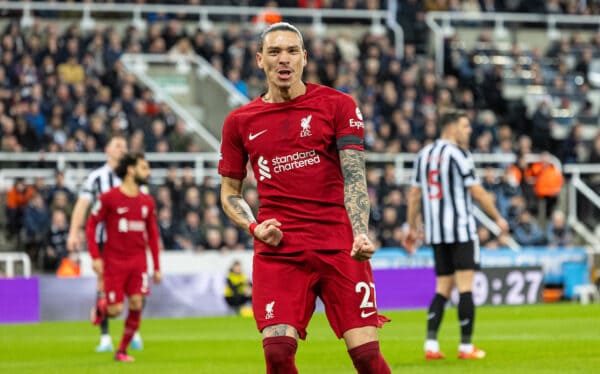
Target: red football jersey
x: 293, y: 149
x: 130, y: 227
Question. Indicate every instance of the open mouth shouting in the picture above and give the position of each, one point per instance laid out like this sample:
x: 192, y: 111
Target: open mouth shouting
x: 284, y: 74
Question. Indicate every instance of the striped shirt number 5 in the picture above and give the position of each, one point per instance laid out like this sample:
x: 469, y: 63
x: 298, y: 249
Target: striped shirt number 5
x: 435, y: 188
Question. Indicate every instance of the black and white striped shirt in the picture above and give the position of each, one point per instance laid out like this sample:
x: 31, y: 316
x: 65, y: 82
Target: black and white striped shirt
x: 444, y: 172
x: 99, y: 181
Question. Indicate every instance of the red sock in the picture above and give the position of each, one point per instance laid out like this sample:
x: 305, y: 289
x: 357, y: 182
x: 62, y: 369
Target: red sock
x: 280, y: 354
x: 367, y: 359
x: 131, y: 325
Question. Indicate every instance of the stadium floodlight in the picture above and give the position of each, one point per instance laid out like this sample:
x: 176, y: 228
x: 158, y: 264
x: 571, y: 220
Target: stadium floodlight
x: 318, y: 27
x: 377, y: 28
x: 204, y: 23
x: 87, y: 23
x: 138, y: 22
x: 27, y: 19
x: 553, y: 33
x: 500, y: 32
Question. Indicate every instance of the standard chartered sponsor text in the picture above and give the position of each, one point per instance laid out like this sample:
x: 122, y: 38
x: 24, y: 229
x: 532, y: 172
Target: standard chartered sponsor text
x: 295, y: 160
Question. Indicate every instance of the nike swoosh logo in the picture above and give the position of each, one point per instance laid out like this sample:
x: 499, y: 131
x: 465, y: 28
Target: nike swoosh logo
x: 254, y: 136
x: 464, y: 322
x: 365, y: 315
x: 122, y: 210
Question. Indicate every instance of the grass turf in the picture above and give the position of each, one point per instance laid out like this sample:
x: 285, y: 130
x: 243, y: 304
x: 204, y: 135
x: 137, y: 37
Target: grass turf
x: 557, y: 338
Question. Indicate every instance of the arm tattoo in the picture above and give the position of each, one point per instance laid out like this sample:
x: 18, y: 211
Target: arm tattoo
x: 356, y: 198
x: 241, y: 207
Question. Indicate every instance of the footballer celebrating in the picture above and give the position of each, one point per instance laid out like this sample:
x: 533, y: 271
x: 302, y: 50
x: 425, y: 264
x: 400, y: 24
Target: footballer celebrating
x: 305, y: 145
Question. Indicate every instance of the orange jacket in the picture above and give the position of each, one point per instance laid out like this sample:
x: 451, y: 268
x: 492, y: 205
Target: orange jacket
x: 269, y: 16
x: 15, y: 199
x: 516, y: 172
x: 547, y: 179
x: 68, y: 269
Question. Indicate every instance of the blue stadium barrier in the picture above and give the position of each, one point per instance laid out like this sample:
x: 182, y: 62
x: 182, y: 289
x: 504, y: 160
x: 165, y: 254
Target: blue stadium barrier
x: 575, y: 274
x: 550, y: 259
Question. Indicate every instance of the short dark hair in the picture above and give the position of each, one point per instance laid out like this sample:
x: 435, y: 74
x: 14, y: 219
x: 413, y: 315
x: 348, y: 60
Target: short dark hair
x: 450, y: 116
x: 280, y: 26
x: 129, y: 159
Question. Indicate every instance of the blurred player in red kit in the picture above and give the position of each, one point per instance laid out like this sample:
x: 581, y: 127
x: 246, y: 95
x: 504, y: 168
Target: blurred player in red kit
x: 129, y: 216
x: 305, y: 145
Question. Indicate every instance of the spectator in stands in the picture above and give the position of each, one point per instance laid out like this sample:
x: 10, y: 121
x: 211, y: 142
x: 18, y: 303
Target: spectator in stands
x: 180, y: 139
x: 490, y: 181
x: 60, y: 201
x: 517, y: 205
x: 182, y: 49
x: 17, y: 199
x: 139, y: 119
x: 71, y: 71
x: 55, y: 244
x: 36, y: 221
x: 508, y: 188
x: 486, y: 239
x: 189, y: 236
x: 36, y: 120
x: 25, y: 134
x: 395, y: 239
x: 192, y: 201
x: 213, y: 239
x: 527, y: 232
x: 231, y: 240
x: 59, y: 186
x: 547, y: 181
x: 388, y: 223
x: 234, y: 77
x: 575, y: 149
x: 542, y: 126
x: 558, y: 233
x: 156, y: 134
x: 167, y: 228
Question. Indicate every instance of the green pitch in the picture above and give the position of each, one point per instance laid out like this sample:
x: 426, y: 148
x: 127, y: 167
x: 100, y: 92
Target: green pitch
x: 563, y: 338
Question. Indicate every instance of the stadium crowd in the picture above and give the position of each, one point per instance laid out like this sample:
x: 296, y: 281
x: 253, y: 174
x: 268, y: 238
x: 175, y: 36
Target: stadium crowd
x: 67, y: 91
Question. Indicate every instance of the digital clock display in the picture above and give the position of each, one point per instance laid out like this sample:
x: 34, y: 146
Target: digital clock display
x: 506, y: 286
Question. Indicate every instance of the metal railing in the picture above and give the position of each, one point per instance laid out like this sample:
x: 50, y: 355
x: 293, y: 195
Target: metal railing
x: 10, y: 261
x: 74, y: 176
x: 203, y: 164
x: 378, y: 18
x: 401, y: 161
x: 578, y: 186
x: 135, y: 63
x: 441, y: 25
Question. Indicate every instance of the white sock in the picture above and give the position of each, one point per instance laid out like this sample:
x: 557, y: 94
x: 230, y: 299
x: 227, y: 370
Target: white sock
x: 105, y: 339
x: 467, y: 348
x: 432, y: 345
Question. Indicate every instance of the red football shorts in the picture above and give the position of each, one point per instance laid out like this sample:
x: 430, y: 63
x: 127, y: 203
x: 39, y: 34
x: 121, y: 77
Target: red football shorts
x: 122, y: 280
x: 285, y: 288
